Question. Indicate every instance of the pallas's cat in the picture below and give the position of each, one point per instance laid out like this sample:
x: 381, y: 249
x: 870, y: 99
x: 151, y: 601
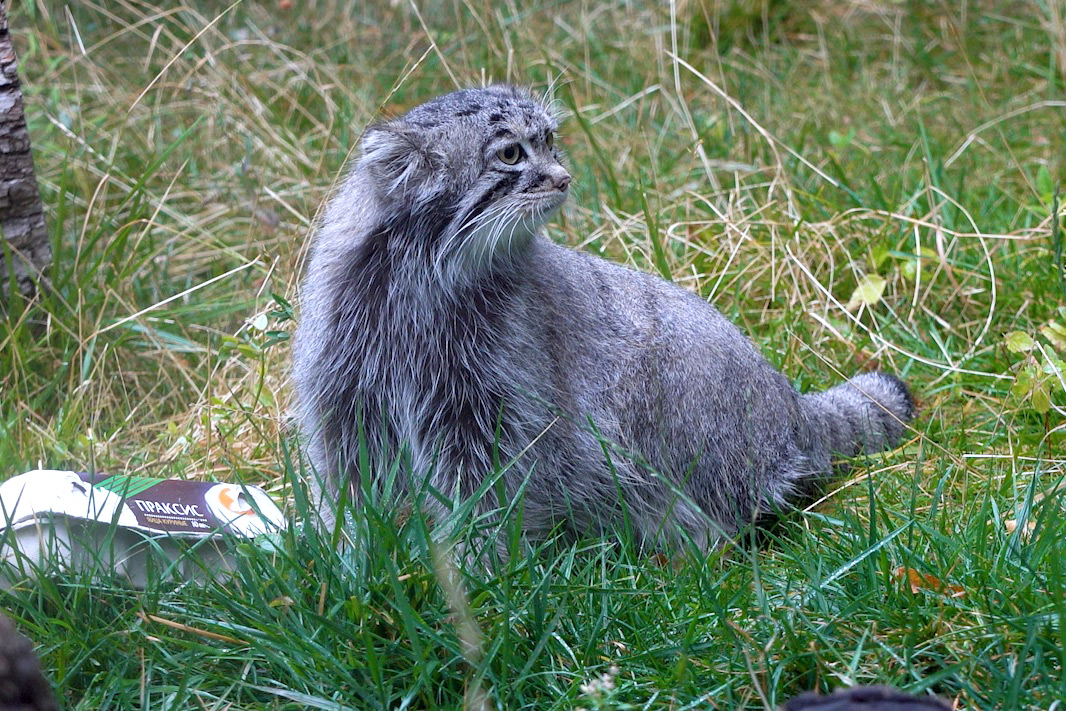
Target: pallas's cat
x: 441, y: 333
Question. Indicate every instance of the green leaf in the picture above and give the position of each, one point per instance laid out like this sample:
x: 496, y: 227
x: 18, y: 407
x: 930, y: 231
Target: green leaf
x: 284, y: 310
x: 1019, y: 342
x: 274, y: 337
x: 1041, y: 399
x: 911, y: 265
x: 1054, y: 366
x: 1044, y: 185
x: 878, y: 255
x: 868, y: 291
x: 839, y: 140
x: 1023, y: 383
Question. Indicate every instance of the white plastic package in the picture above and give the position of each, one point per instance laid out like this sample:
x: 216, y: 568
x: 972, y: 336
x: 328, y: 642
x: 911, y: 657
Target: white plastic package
x: 131, y: 526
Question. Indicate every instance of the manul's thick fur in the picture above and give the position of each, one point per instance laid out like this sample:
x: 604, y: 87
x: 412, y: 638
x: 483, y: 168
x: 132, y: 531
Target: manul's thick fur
x: 440, y: 331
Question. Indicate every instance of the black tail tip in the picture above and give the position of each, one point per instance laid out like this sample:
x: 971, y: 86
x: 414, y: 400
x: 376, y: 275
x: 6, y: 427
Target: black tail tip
x: 905, y: 394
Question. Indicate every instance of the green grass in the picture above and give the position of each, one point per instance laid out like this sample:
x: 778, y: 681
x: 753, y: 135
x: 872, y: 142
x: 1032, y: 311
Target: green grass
x: 799, y: 150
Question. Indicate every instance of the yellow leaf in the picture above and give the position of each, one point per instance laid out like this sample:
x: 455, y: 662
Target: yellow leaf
x: 1012, y: 525
x: 924, y: 581
x: 868, y: 291
x: 1056, y: 333
x: 1019, y: 342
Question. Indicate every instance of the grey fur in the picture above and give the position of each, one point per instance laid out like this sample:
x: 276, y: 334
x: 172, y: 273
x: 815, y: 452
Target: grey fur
x: 439, y: 329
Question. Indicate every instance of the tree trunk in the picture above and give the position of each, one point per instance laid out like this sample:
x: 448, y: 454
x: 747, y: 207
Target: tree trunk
x: 25, y: 237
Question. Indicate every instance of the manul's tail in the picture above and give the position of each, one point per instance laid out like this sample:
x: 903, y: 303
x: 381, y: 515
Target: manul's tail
x: 868, y: 413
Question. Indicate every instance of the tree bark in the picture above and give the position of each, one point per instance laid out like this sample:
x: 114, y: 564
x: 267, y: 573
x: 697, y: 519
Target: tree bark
x: 25, y: 237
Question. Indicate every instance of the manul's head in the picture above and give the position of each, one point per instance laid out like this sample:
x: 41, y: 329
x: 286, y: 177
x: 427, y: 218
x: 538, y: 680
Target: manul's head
x: 477, y: 170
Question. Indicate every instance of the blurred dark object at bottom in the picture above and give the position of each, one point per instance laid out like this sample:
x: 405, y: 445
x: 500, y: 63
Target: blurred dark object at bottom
x: 22, y: 685
x: 866, y: 698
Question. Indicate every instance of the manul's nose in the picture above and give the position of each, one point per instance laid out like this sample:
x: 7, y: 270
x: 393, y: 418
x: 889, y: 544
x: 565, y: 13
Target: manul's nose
x: 553, y: 177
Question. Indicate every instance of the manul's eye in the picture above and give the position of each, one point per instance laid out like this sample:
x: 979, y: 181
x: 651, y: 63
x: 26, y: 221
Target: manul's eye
x: 510, y: 154
x: 550, y: 139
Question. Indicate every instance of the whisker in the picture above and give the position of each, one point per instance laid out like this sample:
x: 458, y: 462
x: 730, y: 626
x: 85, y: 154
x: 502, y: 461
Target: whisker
x: 471, y: 224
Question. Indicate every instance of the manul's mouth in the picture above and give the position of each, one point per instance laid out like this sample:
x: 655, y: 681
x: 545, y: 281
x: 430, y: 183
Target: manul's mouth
x: 540, y: 205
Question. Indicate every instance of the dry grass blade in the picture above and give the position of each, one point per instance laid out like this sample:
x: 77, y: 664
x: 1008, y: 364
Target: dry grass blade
x: 191, y: 630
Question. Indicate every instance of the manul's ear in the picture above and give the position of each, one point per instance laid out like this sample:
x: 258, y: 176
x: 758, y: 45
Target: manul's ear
x: 399, y: 161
